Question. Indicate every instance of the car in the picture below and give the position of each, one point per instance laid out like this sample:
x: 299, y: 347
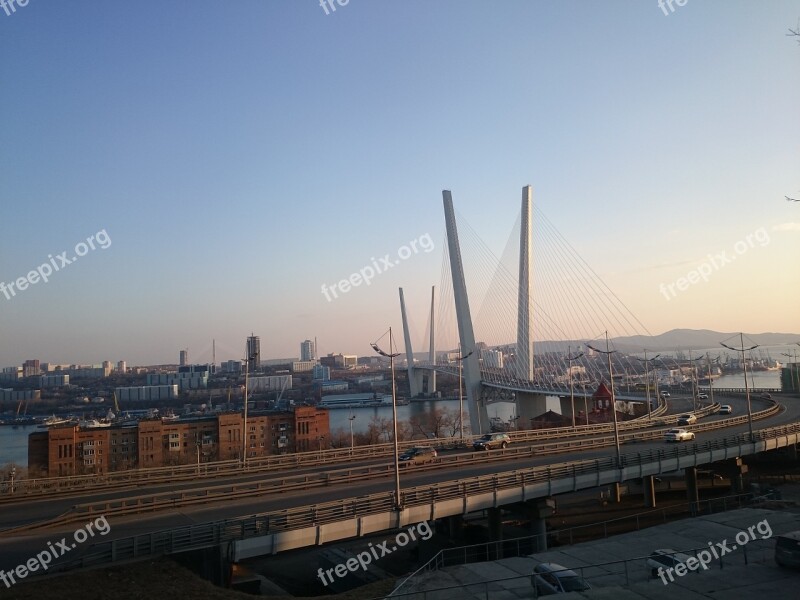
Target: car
x: 552, y: 578
x: 766, y: 396
x: 678, y: 435
x: 726, y: 409
x: 418, y: 455
x: 787, y: 550
x: 491, y: 440
x: 665, y: 394
x: 664, y: 559
x: 702, y: 396
x: 687, y: 419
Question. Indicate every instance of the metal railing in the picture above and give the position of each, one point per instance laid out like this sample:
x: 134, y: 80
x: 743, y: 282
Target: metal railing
x: 526, y: 545
x: 182, y: 498
x: 204, y: 535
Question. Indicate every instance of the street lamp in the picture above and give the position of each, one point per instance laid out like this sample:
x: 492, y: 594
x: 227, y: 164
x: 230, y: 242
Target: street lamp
x: 746, y: 387
x: 320, y: 438
x: 695, y: 390
x: 647, y: 380
x: 351, y: 418
x: 398, y: 505
x: 248, y: 357
x: 571, y: 391
x: 608, y: 354
x: 460, y: 360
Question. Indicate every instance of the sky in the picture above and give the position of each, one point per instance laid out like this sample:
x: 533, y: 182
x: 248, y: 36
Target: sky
x: 233, y: 158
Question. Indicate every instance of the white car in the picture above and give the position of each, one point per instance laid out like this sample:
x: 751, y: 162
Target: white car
x: 664, y: 559
x: 702, y: 396
x: 665, y: 394
x: 687, y: 419
x: 678, y: 435
x: 726, y: 409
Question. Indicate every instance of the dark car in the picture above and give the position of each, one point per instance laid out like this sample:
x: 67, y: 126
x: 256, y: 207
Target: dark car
x: 418, y: 455
x: 551, y: 578
x: 491, y: 441
x: 787, y: 550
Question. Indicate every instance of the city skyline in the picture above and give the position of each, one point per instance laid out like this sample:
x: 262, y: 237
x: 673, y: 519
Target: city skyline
x: 210, y: 174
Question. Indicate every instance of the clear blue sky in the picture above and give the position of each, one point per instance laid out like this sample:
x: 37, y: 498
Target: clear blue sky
x: 241, y: 154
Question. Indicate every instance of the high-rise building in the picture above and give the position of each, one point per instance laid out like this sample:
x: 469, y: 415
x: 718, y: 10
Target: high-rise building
x: 30, y: 368
x: 184, y: 358
x: 308, y: 351
x: 254, y: 353
x: 122, y: 367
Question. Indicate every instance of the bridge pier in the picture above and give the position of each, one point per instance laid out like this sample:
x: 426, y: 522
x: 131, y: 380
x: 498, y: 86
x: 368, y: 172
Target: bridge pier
x: 692, y: 493
x: 649, y: 491
x: 455, y: 527
x: 538, y: 510
x: 529, y: 406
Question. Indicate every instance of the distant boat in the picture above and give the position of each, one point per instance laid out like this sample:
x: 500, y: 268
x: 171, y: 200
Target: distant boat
x: 54, y: 421
x: 92, y: 424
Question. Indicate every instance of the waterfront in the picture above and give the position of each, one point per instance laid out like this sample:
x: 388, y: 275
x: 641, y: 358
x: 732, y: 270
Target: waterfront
x: 14, y: 442
x: 14, y: 445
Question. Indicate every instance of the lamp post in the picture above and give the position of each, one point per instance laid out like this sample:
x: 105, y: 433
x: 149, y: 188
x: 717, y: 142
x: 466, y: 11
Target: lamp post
x: 695, y: 389
x: 460, y: 360
x: 398, y: 504
x: 742, y: 349
x: 247, y: 358
x: 647, y: 381
x: 571, y: 390
x: 351, y: 418
x: 608, y: 354
x: 13, y: 474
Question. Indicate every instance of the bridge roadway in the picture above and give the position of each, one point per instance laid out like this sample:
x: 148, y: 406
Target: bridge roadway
x: 20, y: 545
x: 32, y: 510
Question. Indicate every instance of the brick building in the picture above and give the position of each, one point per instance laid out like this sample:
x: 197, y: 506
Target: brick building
x: 73, y: 450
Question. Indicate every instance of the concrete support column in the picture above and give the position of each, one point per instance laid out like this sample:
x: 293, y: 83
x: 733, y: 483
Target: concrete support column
x: 616, y: 493
x: 495, y: 524
x: 455, y: 527
x: 538, y: 511
x: 736, y: 470
x: 528, y: 406
x: 691, y: 489
x: 649, y: 491
x: 792, y: 452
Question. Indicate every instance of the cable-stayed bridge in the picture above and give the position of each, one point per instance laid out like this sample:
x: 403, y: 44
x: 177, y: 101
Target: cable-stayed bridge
x: 541, y: 289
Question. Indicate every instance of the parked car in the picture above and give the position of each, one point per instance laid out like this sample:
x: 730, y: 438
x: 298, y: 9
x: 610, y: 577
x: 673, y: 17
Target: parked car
x: 418, y: 455
x: 702, y: 396
x: 787, y: 550
x: 687, y: 419
x: 665, y: 558
x: 492, y: 440
x: 726, y: 409
x: 678, y: 435
x: 552, y: 578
